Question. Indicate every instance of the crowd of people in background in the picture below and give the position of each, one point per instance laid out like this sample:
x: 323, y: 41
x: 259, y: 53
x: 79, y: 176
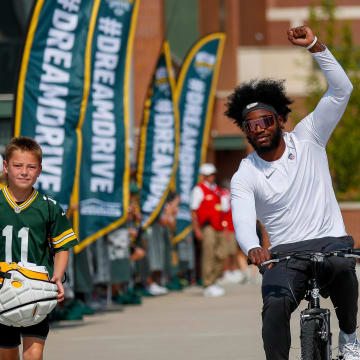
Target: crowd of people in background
x: 131, y: 263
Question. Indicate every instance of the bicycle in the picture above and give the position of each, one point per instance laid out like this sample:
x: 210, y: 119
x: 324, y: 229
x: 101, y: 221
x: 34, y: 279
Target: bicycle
x: 315, y: 335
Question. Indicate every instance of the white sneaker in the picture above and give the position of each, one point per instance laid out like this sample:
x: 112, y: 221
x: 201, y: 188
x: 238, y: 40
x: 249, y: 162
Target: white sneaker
x: 227, y: 278
x: 349, y: 347
x: 219, y: 288
x: 239, y: 276
x: 156, y: 290
x: 350, y: 351
x: 213, y: 290
x: 164, y: 289
x: 254, y: 277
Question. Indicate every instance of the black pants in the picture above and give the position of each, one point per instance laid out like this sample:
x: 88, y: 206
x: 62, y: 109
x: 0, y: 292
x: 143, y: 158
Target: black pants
x: 337, y: 276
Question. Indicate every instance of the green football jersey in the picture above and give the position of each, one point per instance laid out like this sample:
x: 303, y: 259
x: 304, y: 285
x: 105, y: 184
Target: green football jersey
x: 24, y: 229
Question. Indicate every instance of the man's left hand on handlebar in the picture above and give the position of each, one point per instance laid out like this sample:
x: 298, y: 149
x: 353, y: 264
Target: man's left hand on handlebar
x: 259, y: 255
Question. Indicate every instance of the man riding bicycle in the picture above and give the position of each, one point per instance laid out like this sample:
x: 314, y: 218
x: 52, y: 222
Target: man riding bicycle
x: 287, y: 185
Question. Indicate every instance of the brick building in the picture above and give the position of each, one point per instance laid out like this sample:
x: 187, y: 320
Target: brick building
x: 256, y: 47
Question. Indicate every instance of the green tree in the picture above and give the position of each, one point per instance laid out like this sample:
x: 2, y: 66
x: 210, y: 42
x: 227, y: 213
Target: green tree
x: 343, y: 148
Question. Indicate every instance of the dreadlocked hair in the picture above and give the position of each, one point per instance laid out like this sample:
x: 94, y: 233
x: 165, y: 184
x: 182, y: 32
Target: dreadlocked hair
x: 267, y: 91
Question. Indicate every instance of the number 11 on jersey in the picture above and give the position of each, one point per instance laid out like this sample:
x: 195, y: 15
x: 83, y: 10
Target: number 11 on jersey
x: 23, y: 234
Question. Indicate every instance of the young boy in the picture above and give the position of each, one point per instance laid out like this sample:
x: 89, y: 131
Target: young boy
x: 27, y: 219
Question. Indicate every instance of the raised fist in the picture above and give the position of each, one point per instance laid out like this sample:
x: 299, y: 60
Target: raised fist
x: 301, y: 36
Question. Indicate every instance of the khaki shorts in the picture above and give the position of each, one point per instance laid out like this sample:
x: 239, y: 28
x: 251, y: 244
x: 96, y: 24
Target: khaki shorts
x: 231, y: 243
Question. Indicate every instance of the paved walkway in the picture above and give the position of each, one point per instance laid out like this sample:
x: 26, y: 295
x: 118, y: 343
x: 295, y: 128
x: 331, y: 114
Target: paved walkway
x: 179, y: 326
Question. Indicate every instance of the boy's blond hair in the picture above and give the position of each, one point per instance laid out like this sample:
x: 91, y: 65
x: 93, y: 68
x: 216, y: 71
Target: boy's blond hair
x: 23, y: 143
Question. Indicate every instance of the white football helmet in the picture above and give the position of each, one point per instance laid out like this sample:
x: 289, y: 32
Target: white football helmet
x: 26, y: 294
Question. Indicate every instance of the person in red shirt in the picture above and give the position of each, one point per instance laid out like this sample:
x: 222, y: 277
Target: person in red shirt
x: 207, y: 220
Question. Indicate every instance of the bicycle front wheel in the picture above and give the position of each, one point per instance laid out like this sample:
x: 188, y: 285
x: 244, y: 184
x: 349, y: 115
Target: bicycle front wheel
x: 311, y: 343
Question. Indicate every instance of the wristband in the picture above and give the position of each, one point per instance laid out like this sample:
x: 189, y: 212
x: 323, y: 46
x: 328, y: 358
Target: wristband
x: 312, y: 44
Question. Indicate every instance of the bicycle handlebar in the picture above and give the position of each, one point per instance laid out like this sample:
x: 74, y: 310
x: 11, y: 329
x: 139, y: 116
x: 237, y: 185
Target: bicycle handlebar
x: 316, y: 256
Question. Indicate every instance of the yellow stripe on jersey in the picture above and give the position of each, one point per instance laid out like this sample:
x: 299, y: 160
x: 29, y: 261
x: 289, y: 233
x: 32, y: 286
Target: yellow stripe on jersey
x: 59, y: 237
x: 73, y: 237
x: 13, y: 203
x: 63, y: 238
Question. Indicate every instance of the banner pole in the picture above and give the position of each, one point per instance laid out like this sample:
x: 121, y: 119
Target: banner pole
x: 108, y: 294
x: 131, y: 114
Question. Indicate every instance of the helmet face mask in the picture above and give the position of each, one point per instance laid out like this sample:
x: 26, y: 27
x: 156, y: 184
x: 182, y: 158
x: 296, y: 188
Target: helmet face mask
x: 26, y: 294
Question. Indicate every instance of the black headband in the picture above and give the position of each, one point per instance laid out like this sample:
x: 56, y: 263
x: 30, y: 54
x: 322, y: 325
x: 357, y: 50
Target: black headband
x: 257, y: 106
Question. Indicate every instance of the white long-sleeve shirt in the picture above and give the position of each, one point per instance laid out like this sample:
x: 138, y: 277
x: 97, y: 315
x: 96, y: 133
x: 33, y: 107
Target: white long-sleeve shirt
x: 293, y: 196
